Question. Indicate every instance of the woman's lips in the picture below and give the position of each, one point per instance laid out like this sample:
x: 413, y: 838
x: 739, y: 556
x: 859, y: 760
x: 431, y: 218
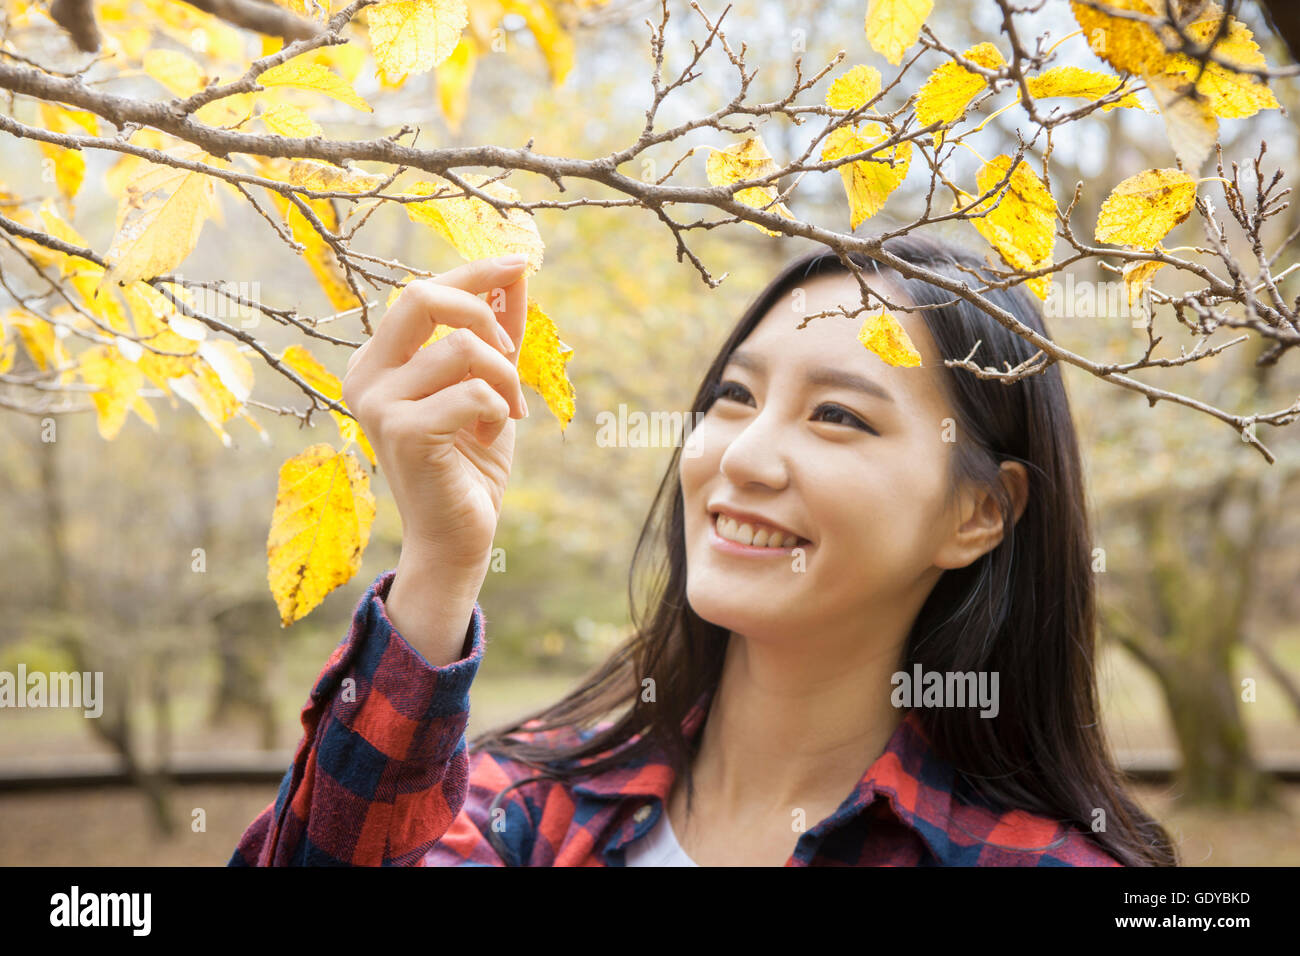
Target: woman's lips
x: 727, y: 546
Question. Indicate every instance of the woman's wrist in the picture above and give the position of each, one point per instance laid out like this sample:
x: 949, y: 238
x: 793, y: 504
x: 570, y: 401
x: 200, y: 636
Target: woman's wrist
x: 431, y: 605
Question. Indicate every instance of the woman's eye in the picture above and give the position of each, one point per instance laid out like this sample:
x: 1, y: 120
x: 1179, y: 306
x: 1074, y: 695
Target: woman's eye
x: 847, y: 418
x: 728, y: 390
x: 838, y: 414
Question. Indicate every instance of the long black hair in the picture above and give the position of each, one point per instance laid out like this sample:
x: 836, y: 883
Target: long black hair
x: 1026, y: 609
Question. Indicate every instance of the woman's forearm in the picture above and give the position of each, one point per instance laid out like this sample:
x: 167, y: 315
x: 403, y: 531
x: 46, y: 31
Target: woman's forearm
x: 431, y: 604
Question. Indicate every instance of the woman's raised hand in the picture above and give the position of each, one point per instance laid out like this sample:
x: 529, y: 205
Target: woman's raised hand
x: 440, y: 419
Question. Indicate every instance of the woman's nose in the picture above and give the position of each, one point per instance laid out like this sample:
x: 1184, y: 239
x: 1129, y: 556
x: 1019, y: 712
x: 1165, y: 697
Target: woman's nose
x: 757, y: 453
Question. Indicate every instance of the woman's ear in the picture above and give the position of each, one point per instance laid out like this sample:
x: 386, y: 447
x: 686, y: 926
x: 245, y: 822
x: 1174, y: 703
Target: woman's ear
x: 979, y: 519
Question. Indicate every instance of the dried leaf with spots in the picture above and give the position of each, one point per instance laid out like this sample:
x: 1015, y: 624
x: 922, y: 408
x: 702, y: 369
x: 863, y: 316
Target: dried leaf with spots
x: 748, y: 159
x: 542, y: 360
x: 1142, y: 209
x: 414, y: 36
x: 867, y: 182
x: 473, y: 227
x: 324, y: 510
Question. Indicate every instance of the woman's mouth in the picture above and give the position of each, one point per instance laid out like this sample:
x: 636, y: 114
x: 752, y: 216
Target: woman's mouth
x: 742, y: 537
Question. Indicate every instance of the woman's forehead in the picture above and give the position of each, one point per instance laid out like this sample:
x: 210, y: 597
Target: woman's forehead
x: 833, y: 338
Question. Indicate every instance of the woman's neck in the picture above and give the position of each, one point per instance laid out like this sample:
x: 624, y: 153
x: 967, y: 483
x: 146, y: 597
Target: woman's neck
x: 792, y: 727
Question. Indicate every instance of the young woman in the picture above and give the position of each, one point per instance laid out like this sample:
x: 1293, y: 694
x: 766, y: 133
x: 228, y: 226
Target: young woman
x: 836, y: 530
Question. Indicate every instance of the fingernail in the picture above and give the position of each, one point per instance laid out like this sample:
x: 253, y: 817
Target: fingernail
x: 516, y: 259
x: 507, y: 343
x: 525, y: 408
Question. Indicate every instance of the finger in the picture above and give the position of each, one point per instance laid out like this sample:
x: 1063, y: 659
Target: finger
x: 471, y: 404
x: 356, y: 355
x: 448, y: 361
x: 448, y: 299
x: 514, y: 316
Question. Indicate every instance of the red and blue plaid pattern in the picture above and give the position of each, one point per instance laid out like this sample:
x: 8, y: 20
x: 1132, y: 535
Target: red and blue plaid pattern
x: 383, y: 777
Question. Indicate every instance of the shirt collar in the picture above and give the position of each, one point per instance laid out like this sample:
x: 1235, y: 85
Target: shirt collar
x: 909, y: 775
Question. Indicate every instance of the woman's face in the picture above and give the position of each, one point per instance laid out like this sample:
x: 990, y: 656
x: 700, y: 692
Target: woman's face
x: 859, y: 473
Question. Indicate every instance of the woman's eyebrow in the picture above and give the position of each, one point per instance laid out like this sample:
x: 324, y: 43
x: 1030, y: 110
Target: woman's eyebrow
x: 822, y: 375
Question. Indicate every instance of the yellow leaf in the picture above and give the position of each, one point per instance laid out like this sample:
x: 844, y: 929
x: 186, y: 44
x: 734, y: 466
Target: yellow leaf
x: 118, y: 384
x: 454, y: 75
x: 176, y: 71
x: 324, y: 381
x: 950, y: 88
x: 150, y: 312
x: 303, y: 73
x: 473, y: 227
x: 160, y: 218
x: 42, y: 344
x: 1130, y: 46
x: 203, y: 389
x: 232, y: 369
x: 542, y: 360
x: 8, y: 349
x: 1190, y: 122
x: 1231, y: 94
x: 288, y: 120
x: 882, y: 334
x: 867, y: 182
x: 1142, y: 209
x: 854, y: 88
x: 324, y: 510
x: 317, y: 252
x: 323, y: 177
x: 1022, y: 227
x: 748, y: 159
x: 893, y: 25
x: 69, y: 164
x: 414, y: 36
x: 1138, y: 274
x: 1074, y: 81
x: 555, y: 44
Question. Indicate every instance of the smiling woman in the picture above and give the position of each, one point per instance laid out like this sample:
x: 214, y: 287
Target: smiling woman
x: 838, y: 521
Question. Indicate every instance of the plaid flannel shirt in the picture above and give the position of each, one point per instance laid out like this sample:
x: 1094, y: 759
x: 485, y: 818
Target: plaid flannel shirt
x: 383, y: 776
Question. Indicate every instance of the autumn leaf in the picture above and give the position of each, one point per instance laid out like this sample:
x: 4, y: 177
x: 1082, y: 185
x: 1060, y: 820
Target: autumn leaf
x: 304, y: 73
x: 160, y: 218
x: 44, y: 347
x: 554, y: 42
x: 854, y: 88
x: 748, y: 159
x: 1190, y: 123
x: 454, y: 75
x: 69, y: 164
x: 1022, y: 226
x: 949, y: 89
x: 1230, y: 94
x: 1128, y: 45
x: 542, y: 360
x: 1142, y: 209
x: 324, y: 381
x: 882, y: 334
x: 867, y: 182
x: 893, y: 25
x: 287, y: 120
x: 117, y: 382
x: 1137, y: 275
x: 176, y: 71
x: 324, y: 177
x: 474, y: 228
x: 414, y: 36
x: 1073, y: 81
x: 320, y: 527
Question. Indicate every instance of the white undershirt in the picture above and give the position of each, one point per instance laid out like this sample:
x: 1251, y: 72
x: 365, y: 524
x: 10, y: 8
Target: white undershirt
x: 658, y: 847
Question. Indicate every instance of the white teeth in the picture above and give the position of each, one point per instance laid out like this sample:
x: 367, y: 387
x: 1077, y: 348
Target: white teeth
x: 732, y: 530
